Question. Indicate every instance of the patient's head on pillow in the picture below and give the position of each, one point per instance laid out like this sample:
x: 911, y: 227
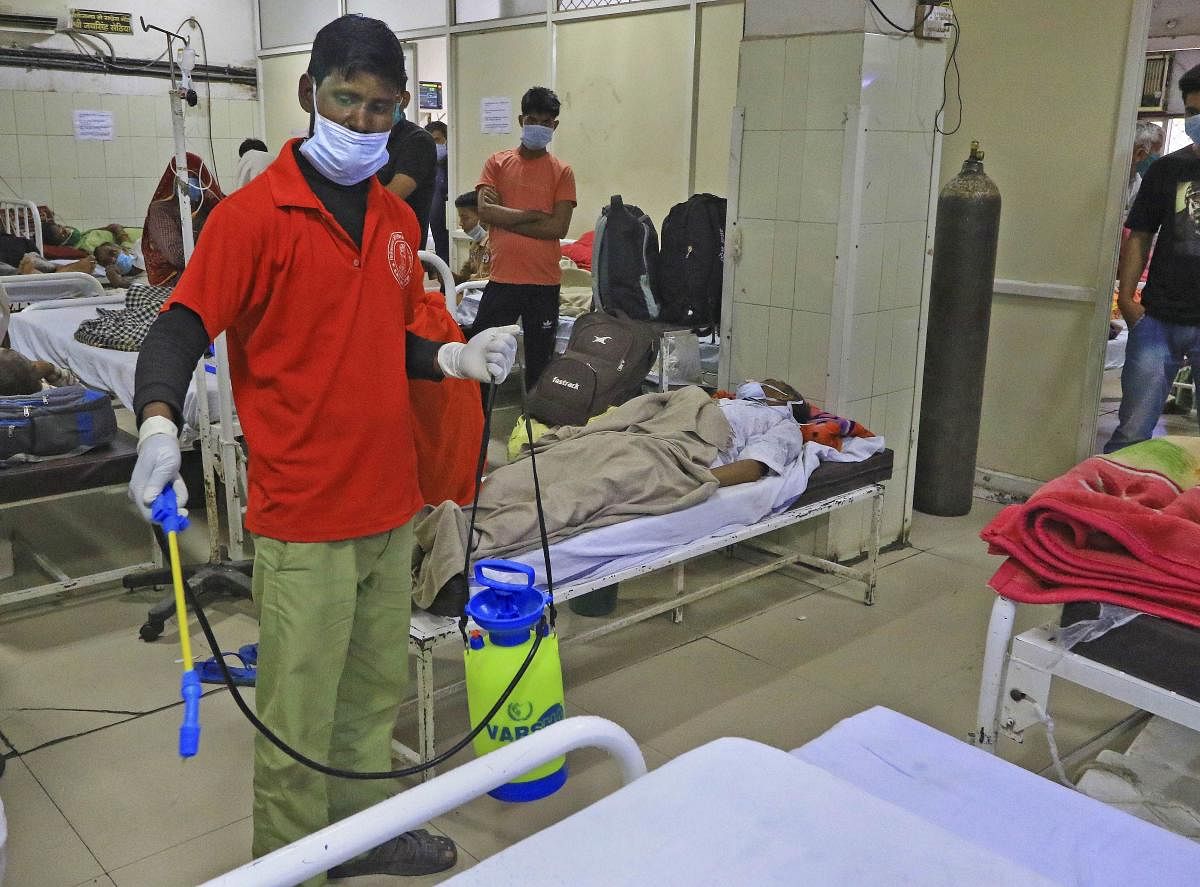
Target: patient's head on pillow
x: 54, y: 234
x: 18, y: 374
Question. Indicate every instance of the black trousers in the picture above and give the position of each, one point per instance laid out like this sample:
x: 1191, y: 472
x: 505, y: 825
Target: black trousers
x: 537, y: 307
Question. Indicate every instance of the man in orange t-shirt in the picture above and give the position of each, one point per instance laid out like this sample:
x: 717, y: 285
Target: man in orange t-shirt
x: 526, y: 195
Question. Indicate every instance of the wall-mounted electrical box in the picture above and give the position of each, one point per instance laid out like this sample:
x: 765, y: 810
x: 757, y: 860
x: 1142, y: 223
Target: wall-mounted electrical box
x: 933, y: 21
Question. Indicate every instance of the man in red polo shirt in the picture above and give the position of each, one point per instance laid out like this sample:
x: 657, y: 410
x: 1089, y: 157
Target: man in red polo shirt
x: 311, y: 270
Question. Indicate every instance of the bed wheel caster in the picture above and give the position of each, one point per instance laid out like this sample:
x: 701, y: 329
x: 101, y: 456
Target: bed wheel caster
x: 151, y: 631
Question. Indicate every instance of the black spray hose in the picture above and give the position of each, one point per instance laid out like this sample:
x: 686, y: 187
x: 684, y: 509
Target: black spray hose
x: 543, y: 628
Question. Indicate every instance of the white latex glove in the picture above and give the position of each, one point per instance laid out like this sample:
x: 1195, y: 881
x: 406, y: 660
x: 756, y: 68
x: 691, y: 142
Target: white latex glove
x: 157, y: 464
x: 488, y: 357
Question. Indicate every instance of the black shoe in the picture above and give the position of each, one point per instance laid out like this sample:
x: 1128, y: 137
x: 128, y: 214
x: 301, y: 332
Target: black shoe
x: 412, y: 853
x: 451, y: 600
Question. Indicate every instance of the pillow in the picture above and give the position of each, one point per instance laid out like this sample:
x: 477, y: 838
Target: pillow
x: 62, y: 252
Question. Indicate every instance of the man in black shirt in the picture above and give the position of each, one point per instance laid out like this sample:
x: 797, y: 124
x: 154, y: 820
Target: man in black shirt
x: 1165, y: 327
x: 441, y: 190
x: 411, y: 168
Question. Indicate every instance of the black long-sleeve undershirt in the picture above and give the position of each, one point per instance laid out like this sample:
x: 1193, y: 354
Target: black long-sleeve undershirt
x: 177, y: 339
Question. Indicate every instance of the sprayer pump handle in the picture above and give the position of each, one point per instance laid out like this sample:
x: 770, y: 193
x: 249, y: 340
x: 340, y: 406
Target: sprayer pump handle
x: 502, y: 566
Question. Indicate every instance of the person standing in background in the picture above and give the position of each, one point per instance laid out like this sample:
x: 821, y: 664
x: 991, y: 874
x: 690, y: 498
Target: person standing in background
x: 441, y: 190
x: 253, y: 158
x: 526, y: 196
x: 1164, y: 327
x: 411, y: 168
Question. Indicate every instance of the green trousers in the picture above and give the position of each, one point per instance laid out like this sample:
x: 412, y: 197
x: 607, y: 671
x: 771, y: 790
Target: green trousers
x: 332, y: 670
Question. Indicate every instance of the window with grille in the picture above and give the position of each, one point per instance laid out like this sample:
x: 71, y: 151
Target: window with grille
x: 572, y: 5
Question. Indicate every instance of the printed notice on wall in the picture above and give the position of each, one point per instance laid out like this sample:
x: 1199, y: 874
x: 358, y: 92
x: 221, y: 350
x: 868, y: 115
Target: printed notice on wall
x: 102, y: 21
x: 94, y: 126
x: 495, y: 115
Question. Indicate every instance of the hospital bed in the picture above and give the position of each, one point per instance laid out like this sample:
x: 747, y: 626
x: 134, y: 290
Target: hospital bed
x: 1149, y: 663
x: 46, y: 331
x: 22, y: 219
x: 107, y: 467
x: 877, y: 799
x: 22, y: 290
x: 734, y: 516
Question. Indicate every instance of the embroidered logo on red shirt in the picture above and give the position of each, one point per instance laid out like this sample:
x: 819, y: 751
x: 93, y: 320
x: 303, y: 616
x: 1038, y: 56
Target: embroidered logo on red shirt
x: 400, y: 258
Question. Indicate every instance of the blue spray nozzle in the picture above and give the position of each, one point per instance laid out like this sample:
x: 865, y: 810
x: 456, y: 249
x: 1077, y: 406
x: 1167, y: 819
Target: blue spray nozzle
x: 189, y: 730
x: 165, y: 512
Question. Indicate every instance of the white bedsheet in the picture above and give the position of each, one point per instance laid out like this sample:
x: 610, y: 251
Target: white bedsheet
x: 49, y: 334
x: 642, y: 539
x: 1063, y: 835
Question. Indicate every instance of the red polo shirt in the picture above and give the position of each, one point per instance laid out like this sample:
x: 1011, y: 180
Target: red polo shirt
x: 316, y: 352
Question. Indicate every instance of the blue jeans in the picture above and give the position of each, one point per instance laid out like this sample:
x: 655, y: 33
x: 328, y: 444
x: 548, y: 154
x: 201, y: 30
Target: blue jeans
x: 1153, y: 356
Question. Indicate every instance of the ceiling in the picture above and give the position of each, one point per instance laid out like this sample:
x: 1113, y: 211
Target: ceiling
x: 1185, y: 14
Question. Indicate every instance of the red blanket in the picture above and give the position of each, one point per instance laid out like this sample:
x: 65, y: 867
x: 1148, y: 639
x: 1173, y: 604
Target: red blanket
x: 1121, y: 529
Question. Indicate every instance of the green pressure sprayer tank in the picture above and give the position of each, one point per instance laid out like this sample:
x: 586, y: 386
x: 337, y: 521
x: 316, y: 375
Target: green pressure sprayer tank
x: 511, y: 614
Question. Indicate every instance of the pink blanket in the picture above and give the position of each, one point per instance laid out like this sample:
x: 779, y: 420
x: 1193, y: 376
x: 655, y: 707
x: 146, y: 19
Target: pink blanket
x: 1121, y: 529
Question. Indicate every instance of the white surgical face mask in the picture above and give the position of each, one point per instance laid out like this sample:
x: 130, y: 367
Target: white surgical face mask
x: 536, y: 137
x: 477, y: 233
x: 1191, y: 126
x: 343, y: 155
x: 750, y: 391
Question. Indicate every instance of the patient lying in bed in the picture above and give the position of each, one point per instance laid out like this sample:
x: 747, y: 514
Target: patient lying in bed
x: 20, y: 375
x: 656, y: 454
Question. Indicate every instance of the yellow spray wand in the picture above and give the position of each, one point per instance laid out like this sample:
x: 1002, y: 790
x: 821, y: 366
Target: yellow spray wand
x: 165, y: 512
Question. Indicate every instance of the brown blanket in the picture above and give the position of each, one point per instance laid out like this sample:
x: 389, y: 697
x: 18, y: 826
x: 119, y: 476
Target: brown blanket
x: 648, y: 456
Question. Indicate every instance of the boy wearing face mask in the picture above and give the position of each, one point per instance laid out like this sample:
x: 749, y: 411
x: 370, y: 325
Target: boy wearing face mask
x: 411, y: 169
x: 120, y: 265
x: 478, y: 265
x: 526, y: 196
x: 311, y: 269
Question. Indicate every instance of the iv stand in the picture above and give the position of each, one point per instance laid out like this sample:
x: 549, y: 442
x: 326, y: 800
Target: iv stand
x: 217, y: 442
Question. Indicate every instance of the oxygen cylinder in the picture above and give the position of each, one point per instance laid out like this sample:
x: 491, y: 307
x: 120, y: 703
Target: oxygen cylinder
x: 509, y: 612
x: 960, y: 308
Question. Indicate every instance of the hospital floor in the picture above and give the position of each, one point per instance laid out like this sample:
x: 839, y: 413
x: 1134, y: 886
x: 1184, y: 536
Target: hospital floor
x: 95, y: 793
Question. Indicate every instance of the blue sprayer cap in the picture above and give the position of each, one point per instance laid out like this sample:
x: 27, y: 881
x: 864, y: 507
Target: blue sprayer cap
x: 189, y: 730
x: 506, y: 610
x: 165, y: 512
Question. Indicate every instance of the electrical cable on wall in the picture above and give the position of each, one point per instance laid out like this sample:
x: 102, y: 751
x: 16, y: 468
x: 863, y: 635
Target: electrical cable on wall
x: 207, y: 95
x: 883, y: 15
x: 939, y: 117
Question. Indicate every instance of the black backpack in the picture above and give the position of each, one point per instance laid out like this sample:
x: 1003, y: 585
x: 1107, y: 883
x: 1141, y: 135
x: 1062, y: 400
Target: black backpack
x: 605, y: 362
x: 625, y: 262
x: 55, y: 422
x: 691, y: 262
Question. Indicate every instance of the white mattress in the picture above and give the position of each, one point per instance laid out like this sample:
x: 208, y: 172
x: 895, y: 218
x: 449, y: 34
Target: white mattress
x: 878, y: 799
x: 1063, y: 835
x: 736, y: 812
x: 643, y: 539
x: 49, y: 334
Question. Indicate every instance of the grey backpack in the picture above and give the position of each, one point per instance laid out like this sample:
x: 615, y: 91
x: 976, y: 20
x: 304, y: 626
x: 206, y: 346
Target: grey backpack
x: 55, y: 422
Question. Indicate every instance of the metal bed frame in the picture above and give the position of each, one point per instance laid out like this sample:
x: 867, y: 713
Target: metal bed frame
x: 428, y: 631
x: 1017, y: 680
x: 22, y: 219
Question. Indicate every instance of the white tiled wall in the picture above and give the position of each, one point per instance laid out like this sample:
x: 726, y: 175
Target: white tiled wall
x: 91, y: 184
x: 796, y: 91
